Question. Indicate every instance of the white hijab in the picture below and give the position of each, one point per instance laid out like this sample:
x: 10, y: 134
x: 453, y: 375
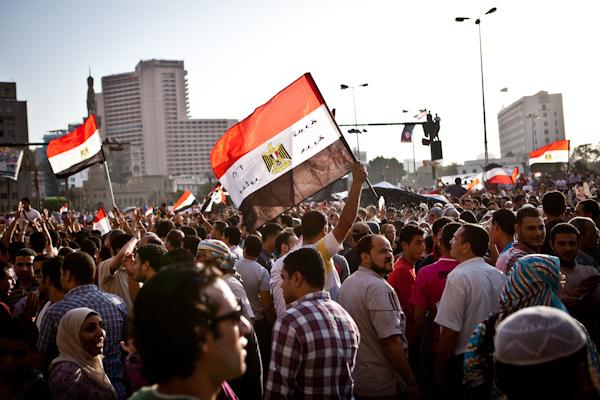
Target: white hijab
x: 69, y: 346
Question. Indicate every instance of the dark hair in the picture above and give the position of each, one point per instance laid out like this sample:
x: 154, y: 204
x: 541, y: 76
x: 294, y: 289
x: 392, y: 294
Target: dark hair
x: 96, y: 239
x: 313, y: 223
x: 176, y: 257
x: 526, y: 212
x: 20, y: 330
x: 188, y: 231
x: 580, y: 222
x: 554, y: 203
x: 429, y: 243
x: 202, y: 234
x: 89, y: 246
x: 440, y: 223
x: 519, y: 197
x: 364, y: 245
x: 468, y: 216
x: 287, y: 220
x: 4, y: 267
x: 408, y: 232
x: 54, y: 237
x: 163, y: 228
x: 81, y: 266
x: 190, y: 243
x: 220, y: 226
x: 175, y: 238
x: 173, y: 314
x: 233, y: 234
x: 448, y: 232
x: 591, y: 207
x: 25, y: 200
x: 253, y: 246
x: 42, y: 258
x: 563, y: 227
x: 25, y: 252
x: 477, y: 237
x: 506, y: 220
x: 51, y: 270
x: 153, y: 254
x: 269, y: 230
x: 282, y: 239
x: 65, y: 251
x: 309, y: 263
x: 234, y: 220
x: 37, y: 241
x: 457, y: 181
x: 119, y: 240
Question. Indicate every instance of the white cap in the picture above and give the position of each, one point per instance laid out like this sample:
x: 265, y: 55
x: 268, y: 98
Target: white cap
x: 537, y: 335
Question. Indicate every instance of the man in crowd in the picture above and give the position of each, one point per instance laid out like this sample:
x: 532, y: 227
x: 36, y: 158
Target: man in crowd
x: 189, y: 333
x: 357, y: 232
x: 77, y: 272
x: 402, y: 279
x: 269, y: 234
x: 531, y: 232
x: 588, y: 208
x: 232, y: 237
x: 50, y: 287
x: 554, y: 205
x: 285, y: 242
x: 588, y: 240
x: 28, y: 213
x: 311, y: 359
x: 502, y: 235
x: 436, y: 230
x: 25, y: 284
x: 145, y: 264
x: 6, y: 285
x: 471, y: 293
x: 382, y: 369
x: 174, y: 239
x: 456, y: 190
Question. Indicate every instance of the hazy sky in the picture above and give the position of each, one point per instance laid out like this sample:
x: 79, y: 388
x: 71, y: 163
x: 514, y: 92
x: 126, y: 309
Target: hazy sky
x: 238, y: 54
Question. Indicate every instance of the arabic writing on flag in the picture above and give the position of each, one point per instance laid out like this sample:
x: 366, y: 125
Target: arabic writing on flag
x: 286, y: 151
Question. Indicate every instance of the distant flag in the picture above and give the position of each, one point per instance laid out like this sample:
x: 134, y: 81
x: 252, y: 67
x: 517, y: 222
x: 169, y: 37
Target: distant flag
x: 186, y: 200
x: 505, y: 90
x: 420, y: 114
x: 515, y: 175
x: 287, y: 150
x: 500, y: 176
x: 101, y: 222
x: 407, y: 133
x: 148, y: 211
x: 76, y: 151
x: 476, y: 183
x: 64, y: 209
x: 10, y: 162
x: 217, y: 195
x: 556, y: 152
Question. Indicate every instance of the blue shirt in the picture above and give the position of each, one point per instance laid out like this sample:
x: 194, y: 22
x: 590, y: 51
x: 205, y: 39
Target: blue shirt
x: 113, y: 311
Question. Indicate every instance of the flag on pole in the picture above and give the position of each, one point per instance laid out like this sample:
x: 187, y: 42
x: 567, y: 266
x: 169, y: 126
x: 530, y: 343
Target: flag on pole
x: 287, y: 150
x: 147, y: 211
x: 407, y: 133
x: 186, y: 200
x: 10, y: 162
x: 101, y: 222
x: 64, y: 209
x: 556, y: 152
x: 501, y: 176
x: 77, y: 150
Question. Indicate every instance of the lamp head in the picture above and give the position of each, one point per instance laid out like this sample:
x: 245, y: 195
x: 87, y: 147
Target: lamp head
x: 342, y: 86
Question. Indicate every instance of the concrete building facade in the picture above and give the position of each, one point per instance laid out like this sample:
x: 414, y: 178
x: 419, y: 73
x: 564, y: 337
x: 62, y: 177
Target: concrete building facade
x: 530, y: 123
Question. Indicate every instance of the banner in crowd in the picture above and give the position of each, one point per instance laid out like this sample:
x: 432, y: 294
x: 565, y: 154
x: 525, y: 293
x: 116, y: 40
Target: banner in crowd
x: 185, y: 201
x: 494, y: 176
x: 217, y: 195
x: 407, y: 133
x: 76, y: 150
x: 10, y: 162
x: 556, y: 152
x: 101, y: 222
x: 286, y: 151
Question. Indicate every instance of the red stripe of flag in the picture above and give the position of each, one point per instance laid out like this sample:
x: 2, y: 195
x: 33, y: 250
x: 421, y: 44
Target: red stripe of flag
x: 73, y: 139
x: 559, y: 145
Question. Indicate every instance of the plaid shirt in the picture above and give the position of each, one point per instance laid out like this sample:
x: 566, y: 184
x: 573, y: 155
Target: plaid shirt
x: 314, y: 351
x: 114, y: 315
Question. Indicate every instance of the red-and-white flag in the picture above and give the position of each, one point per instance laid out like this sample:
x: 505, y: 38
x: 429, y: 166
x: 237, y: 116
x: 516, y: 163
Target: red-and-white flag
x: 64, y: 209
x: 101, y: 222
x: 501, y: 176
x: 186, y: 200
x: 556, y: 152
x: 287, y: 150
x: 77, y: 150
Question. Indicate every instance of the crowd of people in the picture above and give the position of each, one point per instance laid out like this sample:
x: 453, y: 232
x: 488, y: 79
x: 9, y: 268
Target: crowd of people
x: 491, y: 295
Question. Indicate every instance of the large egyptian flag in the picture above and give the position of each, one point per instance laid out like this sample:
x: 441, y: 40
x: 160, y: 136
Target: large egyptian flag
x: 556, y: 152
x: 77, y: 150
x: 186, y: 200
x: 285, y: 151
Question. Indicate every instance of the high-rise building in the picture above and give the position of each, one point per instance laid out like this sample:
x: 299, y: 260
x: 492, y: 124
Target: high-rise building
x: 148, y: 108
x: 530, y: 123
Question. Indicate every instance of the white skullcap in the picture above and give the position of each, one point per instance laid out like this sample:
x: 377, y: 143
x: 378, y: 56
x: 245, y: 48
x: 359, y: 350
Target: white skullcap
x: 537, y: 335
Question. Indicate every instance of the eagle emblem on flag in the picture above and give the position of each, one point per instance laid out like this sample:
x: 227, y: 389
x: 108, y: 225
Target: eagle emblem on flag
x: 85, y: 152
x: 548, y: 156
x: 276, y: 158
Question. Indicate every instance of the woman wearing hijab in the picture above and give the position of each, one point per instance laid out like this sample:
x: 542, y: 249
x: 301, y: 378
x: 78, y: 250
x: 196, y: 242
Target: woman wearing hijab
x: 77, y: 373
x: 534, y: 281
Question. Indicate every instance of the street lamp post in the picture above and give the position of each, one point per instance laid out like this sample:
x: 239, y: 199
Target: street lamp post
x: 355, y: 130
x: 533, y: 117
x: 478, y: 23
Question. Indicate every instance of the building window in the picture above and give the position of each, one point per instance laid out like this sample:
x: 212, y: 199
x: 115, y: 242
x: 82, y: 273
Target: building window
x: 546, y: 132
x: 545, y: 114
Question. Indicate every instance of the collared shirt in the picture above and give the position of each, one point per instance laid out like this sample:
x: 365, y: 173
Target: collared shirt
x: 403, y: 279
x: 472, y: 293
x: 116, y: 282
x: 314, y: 351
x: 374, y: 306
x: 114, y: 315
x: 509, y: 259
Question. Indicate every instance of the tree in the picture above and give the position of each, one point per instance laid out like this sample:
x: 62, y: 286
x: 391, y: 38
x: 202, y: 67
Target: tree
x: 385, y: 169
x: 586, y: 157
x: 54, y: 203
x: 447, y: 170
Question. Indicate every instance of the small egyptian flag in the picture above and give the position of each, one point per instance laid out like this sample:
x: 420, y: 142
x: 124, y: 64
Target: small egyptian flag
x: 186, y: 200
x: 148, y: 211
x: 64, y: 209
x: 101, y: 222
x: 286, y: 151
x: 407, y: 133
x: 76, y: 151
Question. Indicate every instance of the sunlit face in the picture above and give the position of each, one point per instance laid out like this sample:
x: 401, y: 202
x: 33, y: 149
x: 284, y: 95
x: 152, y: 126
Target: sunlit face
x: 91, y: 335
x: 7, y: 282
x: 24, y: 267
x: 415, y: 249
x: 380, y: 258
x: 458, y: 248
x: 37, y: 271
x: 531, y: 232
x: 564, y: 246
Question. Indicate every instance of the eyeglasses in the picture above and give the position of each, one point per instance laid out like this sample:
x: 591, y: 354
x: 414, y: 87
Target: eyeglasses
x: 24, y: 264
x: 235, y: 316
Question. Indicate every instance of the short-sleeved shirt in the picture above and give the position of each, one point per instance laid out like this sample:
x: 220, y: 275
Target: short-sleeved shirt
x: 403, y: 279
x: 117, y: 283
x: 314, y: 351
x: 503, y: 257
x: 429, y: 287
x: 472, y: 292
x: 238, y: 290
x: 575, y: 275
x: 375, y: 308
x: 255, y: 279
x: 518, y: 250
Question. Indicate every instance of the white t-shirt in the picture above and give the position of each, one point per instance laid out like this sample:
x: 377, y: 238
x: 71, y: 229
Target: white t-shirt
x: 30, y: 215
x: 472, y: 292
